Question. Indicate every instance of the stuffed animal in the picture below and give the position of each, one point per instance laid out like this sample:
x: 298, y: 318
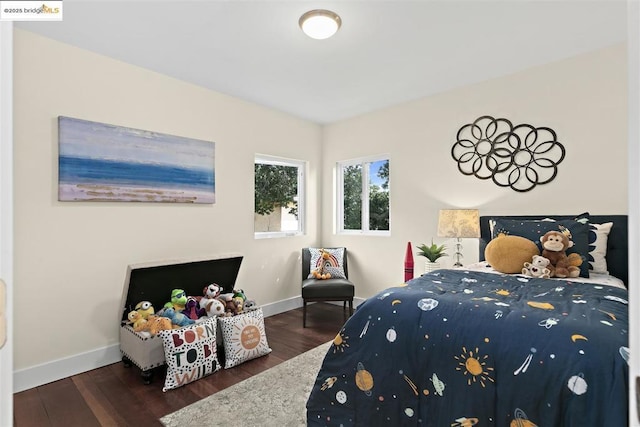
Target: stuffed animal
x: 537, y: 267
x: 210, y: 302
x: 212, y: 291
x: 554, y: 247
x: 507, y: 253
x: 226, y: 297
x: 137, y: 321
x: 177, y: 318
x: 178, y: 300
x: 231, y: 307
x: 319, y: 272
x: 239, y: 293
x: 145, y: 309
x: 193, y: 310
x: 156, y: 324
x: 239, y: 301
x: 249, y: 304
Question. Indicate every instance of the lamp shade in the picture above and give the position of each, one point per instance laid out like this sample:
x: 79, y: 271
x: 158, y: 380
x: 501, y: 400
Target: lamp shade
x: 459, y: 223
x: 320, y: 23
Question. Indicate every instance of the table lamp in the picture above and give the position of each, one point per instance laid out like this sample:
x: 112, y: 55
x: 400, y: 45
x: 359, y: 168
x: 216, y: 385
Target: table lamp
x: 458, y: 224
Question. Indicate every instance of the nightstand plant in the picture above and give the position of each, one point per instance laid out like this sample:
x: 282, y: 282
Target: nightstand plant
x: 432, y: 254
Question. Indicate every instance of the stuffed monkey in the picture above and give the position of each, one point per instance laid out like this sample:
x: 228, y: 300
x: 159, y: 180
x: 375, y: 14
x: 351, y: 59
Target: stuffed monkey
x: 554, y: 246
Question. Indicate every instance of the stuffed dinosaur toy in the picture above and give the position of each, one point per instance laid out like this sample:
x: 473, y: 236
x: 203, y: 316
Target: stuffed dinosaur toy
x: 177, y: 318
x: 193, y: 310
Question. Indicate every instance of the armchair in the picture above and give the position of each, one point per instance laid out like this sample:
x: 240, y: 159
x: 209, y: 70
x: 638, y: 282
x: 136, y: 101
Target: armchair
x: 333, y: 289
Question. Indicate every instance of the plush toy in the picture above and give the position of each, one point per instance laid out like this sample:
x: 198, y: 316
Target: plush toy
x: 137, y: 321
x: 145, y: 309
x: 319, y: 272
x: 212, y: 291
x: 507, y: 253
x: 210, y: 302
x: 156, y: 324
x: 178, y: 300
x: 177, y: 318
x: 193, y: 310
x: 249, y: 304
x: 239, y: 293
x: 537, y: 267
x: 230, y: 307
x: 554, y: 247
x: 226, y: 297
x: 239, y: 301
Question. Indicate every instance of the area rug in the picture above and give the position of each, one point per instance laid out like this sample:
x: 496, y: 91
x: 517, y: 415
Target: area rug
x: 275, y: 397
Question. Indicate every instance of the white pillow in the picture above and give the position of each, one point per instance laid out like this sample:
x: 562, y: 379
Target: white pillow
x: 244, y: 337
x: 333, y: 265
x: 598, y: 237
x: 190, y: 352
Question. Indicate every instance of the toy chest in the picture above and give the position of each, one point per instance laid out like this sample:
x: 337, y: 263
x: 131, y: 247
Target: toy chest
x: 153, y: 282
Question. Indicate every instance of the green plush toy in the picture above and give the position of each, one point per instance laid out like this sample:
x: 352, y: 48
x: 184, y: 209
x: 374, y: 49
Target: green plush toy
x: 178, y: 300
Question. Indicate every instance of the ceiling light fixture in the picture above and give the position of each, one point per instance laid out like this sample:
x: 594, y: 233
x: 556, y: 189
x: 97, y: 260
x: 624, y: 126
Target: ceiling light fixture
x: 320, y: 23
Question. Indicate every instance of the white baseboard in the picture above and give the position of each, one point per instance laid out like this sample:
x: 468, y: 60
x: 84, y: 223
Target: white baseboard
x: 24, y: 379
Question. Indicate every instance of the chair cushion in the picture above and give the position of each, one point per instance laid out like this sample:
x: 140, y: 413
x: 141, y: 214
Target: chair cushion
x: 333, y: 265
x: 328, y: 288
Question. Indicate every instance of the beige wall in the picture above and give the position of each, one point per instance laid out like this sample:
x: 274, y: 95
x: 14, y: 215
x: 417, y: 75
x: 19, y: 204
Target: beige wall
x: 584, y: 99
x: 70, y: 258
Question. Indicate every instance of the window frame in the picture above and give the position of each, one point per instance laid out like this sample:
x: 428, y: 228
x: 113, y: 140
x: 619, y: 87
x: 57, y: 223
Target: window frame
x: 364, y: 162
x: 302, y: 172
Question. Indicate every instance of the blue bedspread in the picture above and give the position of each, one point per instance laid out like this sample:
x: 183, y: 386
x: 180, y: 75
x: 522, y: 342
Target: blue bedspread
x: 462, y: 348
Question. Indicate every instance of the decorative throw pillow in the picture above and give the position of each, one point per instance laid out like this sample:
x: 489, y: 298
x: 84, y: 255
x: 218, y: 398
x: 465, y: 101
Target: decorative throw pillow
x: 333, y: 263
x: 244, y: 337
x: 535, y: 229
x: 507, y: 254
x: 190, y: 353
x: 598, y: 238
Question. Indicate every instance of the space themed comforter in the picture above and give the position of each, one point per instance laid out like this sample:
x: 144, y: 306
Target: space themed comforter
x: 464, y: 348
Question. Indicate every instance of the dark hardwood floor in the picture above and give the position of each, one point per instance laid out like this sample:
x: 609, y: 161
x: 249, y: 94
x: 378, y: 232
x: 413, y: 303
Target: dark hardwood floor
x: 116, y: 396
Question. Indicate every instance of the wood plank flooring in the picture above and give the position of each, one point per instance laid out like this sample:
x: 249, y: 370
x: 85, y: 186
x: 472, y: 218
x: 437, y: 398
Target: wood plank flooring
x: 116, y: 396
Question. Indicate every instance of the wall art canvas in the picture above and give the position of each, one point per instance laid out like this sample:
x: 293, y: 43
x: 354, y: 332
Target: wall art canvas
x: 102, y: 162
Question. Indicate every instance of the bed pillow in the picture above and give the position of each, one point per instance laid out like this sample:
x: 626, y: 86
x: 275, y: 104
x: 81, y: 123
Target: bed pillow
x: 244, y: 337
x: 190, y: 353
x: 507, y: 254
x: 535, y: 229
x: 598, y: 239
x: 334, y: 264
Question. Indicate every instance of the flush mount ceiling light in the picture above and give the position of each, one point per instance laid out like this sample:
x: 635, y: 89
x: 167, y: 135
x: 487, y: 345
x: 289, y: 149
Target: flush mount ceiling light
x: 320, y: 23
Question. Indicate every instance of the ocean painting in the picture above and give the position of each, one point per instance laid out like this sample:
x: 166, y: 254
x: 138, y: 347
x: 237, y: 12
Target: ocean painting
x: 102, y: 162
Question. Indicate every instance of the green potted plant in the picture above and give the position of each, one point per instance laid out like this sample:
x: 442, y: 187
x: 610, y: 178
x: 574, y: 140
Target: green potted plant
x: 432, y: 254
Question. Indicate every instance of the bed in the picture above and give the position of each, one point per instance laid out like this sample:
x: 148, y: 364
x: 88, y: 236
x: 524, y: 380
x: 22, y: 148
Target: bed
x: 471, y: 346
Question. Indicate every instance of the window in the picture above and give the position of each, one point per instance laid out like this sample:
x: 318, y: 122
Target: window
x: 278, y: 197
x: 363, y: 196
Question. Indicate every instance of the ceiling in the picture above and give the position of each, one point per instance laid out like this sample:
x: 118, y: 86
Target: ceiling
x: 386, y: 53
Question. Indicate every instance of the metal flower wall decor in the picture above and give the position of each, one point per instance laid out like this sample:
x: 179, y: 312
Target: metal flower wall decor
x: 519, y: 157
